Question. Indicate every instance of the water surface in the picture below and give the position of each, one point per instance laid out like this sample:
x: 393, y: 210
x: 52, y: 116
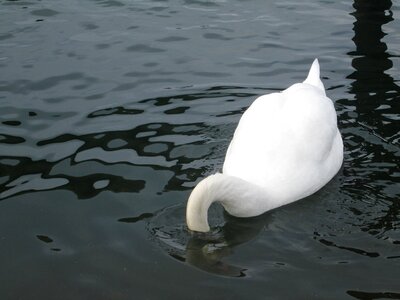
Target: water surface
x: 112, y: 110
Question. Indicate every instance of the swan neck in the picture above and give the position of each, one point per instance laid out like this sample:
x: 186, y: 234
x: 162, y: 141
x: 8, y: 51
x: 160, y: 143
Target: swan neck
x: 198, y: 204
x: 239, y: 198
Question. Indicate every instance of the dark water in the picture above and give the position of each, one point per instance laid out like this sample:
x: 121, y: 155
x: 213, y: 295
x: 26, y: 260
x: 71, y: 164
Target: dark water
x: 112, y: 110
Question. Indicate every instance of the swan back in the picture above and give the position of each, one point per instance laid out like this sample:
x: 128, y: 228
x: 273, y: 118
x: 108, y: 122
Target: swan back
x: 288, y: 142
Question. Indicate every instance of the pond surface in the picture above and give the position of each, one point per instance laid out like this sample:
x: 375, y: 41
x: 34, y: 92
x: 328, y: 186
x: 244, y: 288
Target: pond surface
x: 112, y: 110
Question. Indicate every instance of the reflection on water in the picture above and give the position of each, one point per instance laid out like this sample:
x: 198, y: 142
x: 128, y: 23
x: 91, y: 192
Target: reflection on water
x: 375, y: 96
x: 111, y: 111
x: 374, y: 90
x: 170, y: 145
x: 205, y: 251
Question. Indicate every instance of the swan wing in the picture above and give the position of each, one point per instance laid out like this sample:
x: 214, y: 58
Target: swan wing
x: 283, y: 141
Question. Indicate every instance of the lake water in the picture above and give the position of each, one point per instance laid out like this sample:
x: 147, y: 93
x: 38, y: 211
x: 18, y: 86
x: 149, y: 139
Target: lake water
x: 112, y: 110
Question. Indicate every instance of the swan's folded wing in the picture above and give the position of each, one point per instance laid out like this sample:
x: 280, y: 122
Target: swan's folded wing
x: 284, y: 140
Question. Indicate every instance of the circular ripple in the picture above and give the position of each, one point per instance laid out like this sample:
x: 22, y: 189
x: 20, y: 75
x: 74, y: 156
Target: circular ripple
x: 206, y: 251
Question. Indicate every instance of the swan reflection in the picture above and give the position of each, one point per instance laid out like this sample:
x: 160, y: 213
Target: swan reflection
x: 209, y: 251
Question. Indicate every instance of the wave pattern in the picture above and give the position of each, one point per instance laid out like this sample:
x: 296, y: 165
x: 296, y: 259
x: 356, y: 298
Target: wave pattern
x: 127, y: 104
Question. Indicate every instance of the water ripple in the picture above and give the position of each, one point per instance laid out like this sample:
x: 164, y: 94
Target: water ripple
x: 128, y: 104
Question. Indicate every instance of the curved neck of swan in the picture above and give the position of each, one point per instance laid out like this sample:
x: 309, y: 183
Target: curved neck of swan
x: 239, y: 197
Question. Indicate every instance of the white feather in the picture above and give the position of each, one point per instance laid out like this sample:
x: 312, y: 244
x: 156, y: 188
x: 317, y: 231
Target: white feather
x: 285, y: 147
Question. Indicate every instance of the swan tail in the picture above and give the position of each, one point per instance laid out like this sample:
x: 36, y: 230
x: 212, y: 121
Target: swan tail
x: 313, y: 77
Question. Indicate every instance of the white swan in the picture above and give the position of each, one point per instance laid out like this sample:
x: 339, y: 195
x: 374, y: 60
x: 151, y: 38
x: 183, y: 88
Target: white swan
x: 285, y: 147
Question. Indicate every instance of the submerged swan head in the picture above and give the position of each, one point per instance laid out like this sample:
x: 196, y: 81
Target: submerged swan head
x: 285, y: 147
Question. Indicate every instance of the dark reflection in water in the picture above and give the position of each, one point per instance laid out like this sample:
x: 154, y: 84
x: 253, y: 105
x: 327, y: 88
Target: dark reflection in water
x: 161, y: 146
x: 375, y: 91
x: 376, y: 105
x: 373, y: 296
x: 205, y: 251
x: 142, y: 217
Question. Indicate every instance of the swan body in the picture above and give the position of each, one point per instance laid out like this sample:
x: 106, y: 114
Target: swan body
x: 286, y: 147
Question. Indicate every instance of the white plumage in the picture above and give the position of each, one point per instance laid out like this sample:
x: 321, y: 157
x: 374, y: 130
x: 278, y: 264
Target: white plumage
x: 285, y: 147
